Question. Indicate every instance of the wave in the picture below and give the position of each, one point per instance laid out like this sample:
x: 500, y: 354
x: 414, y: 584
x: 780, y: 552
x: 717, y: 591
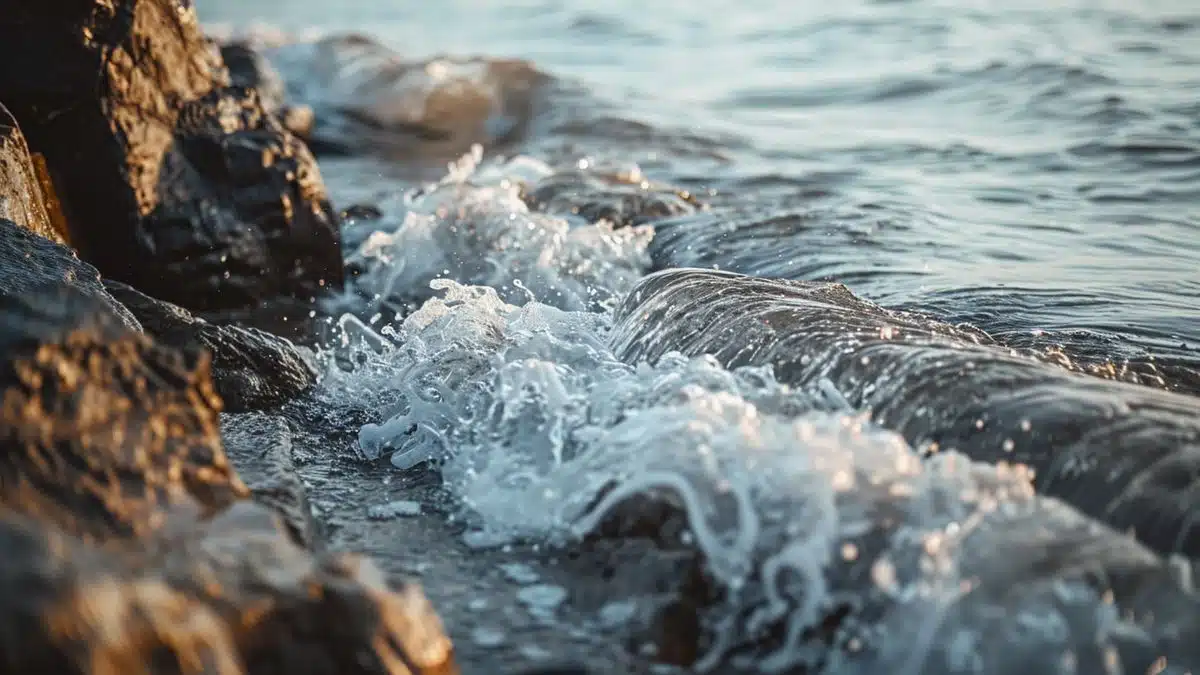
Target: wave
x: 824, y: 542
x: 1123, y: 453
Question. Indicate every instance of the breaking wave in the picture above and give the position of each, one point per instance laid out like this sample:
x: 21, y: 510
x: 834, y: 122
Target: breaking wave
x: 828, y: 543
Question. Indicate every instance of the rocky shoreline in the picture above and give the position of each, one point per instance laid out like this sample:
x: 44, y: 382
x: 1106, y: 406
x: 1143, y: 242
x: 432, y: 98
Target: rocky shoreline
x: 171, y: 505
x: 134, y: 176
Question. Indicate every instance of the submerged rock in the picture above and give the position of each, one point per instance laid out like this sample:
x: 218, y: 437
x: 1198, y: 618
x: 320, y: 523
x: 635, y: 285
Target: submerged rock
x: 620, y: 199
x: 251, y: 369
x: 368, y: 99
x: 170, y: 179
x: 1126, y: 454
x: 130, y: 545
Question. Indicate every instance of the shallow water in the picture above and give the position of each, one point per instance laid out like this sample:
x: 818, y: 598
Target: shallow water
x: 1031, y: 170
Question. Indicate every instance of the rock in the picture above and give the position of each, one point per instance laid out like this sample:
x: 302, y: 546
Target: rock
x: 1125, y: 454
x: 29, y: 261
x: 103, y: 430
x: 260, y: 447
x: 369, y: 99
x: 621, y: 199
x: 21, y: 198
x: 251, y: 369
x: 170, y: 179
x: 248, y: 68
x: 225, y: 597
x: 129, y: 544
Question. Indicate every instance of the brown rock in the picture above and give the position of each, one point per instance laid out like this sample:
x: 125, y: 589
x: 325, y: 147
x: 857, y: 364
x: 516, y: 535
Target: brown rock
x: 130, y: 546
x: 21, y: 198
x: 103, y: 430
x: 169, y: 178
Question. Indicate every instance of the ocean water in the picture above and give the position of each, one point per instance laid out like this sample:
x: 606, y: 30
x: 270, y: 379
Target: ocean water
x: 1029, y: 170
x: 1027, y: 165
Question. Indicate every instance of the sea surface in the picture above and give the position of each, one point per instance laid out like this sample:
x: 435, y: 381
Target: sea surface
x: 1028, y: 165
x: 1029, y: 169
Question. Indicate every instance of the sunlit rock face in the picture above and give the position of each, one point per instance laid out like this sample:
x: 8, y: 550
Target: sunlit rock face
x: 132, y: 543
x: 169, y: 178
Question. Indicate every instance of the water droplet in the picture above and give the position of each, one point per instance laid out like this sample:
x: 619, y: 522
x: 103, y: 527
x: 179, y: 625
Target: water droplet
x: 618, y: 613
x: 519, y: 573
x: 487, y: 637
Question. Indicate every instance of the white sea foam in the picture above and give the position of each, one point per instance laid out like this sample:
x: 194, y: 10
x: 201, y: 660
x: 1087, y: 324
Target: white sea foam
x: 474, y: 228
x: 797, y: 504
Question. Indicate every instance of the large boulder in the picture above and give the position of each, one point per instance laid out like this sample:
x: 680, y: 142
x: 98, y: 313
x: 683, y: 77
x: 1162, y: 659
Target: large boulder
x: 130, y: 543
x: 170, y: 179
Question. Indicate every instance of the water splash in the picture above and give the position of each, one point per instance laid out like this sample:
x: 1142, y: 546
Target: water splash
x: 802, y: 512
x: 473, y: 227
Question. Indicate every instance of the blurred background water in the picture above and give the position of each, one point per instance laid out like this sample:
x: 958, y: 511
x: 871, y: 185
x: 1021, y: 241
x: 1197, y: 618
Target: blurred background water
x: 1025, y: 166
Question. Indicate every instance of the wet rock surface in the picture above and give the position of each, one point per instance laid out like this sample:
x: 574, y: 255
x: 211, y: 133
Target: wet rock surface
x: 621, y: 199
x: 131, y: 546
x: 170, y: 179
x: 479, y: 602
x: 21, y: 198
x: 260, y: 446
x: 29, y: 261
x: 251, y: 369
x: 1125, y: 454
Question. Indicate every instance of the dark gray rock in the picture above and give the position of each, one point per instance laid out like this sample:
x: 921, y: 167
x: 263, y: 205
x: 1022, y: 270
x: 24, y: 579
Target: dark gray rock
x: 260, y: 446
x: 29, y: 261
x: 252, y: 369
x: 1126, y: 454
x: 169, y: 178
